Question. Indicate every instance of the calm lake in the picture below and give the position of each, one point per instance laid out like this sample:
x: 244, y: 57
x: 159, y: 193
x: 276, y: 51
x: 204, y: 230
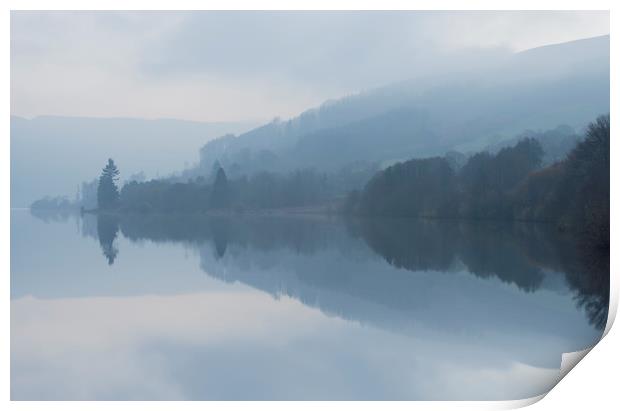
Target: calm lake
x: 293, y: 307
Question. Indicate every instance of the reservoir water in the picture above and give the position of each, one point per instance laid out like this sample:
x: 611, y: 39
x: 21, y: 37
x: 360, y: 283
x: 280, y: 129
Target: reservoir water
x: 170, y: 307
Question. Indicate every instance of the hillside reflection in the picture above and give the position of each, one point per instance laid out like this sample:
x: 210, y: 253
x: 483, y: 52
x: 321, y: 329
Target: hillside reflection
x: 521, y: 255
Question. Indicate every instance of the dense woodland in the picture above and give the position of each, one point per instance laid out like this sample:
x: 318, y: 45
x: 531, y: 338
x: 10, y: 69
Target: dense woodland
x: 510, y: 185
x: 263, y: 190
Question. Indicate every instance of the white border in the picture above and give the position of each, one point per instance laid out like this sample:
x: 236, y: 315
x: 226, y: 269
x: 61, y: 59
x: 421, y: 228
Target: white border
x: 310, y: 5
x: 593, y: 385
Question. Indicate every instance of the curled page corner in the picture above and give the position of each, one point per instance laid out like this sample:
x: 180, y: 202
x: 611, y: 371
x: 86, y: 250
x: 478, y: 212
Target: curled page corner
x: 570, y: 360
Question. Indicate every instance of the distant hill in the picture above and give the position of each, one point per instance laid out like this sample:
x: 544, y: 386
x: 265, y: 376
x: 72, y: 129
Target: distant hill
x: 537, y: 89
x: 52, y: 155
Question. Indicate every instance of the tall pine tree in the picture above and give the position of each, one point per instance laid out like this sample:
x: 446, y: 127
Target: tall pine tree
x: 107, y: 191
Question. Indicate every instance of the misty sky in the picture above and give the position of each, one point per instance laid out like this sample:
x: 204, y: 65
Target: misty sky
x: 229, y: 66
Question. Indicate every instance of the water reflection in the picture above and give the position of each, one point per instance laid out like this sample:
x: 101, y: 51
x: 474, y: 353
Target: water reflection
x: 516, y: 253
x: 519, y: 254
x: 107, y: 230
x: 250, y: 307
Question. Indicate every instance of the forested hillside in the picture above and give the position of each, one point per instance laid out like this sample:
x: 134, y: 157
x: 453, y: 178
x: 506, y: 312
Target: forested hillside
x: 533, y: 90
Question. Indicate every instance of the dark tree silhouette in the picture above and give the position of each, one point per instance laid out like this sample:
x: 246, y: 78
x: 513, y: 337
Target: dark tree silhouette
x: 573, y: 193
x: 107, y: 191
x: 419, y: 187
x: 589, y: 167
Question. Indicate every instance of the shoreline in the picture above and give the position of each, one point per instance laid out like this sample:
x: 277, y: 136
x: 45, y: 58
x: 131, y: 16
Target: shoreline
x: 323, y: 210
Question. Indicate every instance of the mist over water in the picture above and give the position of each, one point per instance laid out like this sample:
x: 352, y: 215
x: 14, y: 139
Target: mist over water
x: 315, y: 307
x: 356, y: 205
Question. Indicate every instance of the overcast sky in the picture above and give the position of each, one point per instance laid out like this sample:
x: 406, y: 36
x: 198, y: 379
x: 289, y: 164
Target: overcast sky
x: 229, y: 66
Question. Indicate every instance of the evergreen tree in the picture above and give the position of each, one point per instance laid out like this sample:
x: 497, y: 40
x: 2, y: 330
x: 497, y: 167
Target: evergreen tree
x: 107, y: 191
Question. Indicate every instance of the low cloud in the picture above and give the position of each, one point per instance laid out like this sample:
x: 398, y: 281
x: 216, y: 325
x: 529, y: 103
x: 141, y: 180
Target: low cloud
x: 229, y: 66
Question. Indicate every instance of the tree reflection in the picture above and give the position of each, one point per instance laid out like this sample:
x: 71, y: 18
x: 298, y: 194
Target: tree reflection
x: 107, y: 231
x: 221, y: 232
x: 515, y: 253
x: 591, y: 283
x: 518, y: 254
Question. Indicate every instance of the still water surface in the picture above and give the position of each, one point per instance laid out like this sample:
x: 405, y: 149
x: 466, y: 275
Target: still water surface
x: 177, y: 307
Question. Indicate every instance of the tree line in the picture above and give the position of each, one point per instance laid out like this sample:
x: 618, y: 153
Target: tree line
x: 510, y: 185
x: 264, y: 190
